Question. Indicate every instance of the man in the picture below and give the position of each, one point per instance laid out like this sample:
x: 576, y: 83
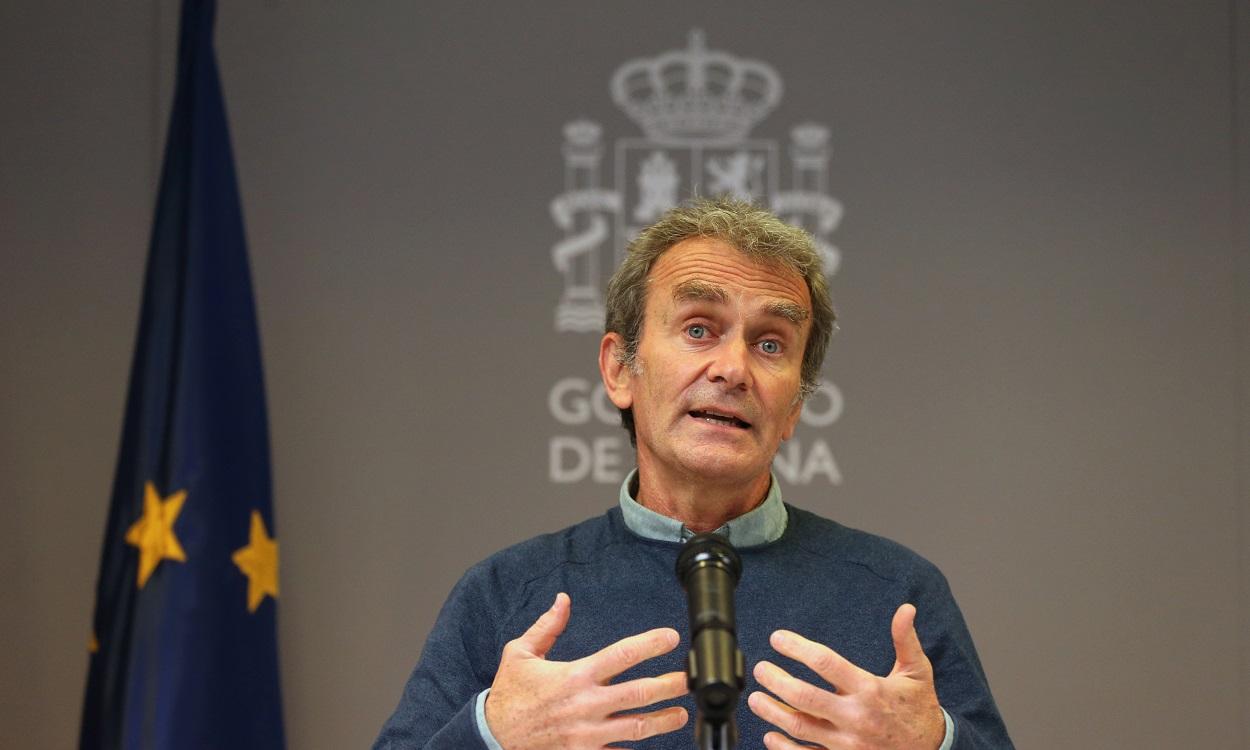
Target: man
x: 717, y: 324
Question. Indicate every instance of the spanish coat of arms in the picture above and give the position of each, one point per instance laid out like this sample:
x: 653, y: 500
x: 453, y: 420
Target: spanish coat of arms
x: 696, y: 108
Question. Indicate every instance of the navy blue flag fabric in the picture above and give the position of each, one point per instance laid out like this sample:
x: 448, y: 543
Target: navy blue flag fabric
x: 184, y: 645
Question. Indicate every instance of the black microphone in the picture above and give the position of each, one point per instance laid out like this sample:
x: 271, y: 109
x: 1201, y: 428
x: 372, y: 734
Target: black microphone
x: 709, y: 569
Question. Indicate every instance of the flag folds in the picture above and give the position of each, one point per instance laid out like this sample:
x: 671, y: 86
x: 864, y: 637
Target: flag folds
x: 184, y: 648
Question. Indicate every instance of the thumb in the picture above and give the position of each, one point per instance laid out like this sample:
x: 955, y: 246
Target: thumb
x: 542, y: 635
x: 909, y: 656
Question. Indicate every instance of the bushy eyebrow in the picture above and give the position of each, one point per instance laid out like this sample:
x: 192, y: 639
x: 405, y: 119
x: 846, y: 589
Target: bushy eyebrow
x: 697, y: 290
x: 796, y: 314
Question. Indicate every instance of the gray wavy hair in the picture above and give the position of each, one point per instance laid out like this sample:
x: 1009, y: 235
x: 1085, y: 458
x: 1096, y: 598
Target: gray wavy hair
x: 752, y: 230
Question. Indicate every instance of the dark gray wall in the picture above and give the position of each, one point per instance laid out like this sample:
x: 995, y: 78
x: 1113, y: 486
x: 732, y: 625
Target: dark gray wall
x: 1043, y: 292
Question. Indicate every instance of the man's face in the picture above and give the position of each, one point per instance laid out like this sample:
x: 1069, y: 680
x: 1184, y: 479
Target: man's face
x: 716, y: 382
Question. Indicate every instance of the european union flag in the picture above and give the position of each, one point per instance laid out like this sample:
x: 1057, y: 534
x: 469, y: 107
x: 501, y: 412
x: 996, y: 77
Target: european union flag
x: 184, y: 648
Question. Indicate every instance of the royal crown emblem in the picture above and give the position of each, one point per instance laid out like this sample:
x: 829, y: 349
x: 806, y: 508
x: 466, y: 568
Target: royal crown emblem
x: 696, y: 108
x: 696, y: 95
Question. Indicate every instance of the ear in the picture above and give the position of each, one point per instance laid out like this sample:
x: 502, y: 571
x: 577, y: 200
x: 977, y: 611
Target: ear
x: 792, y: 420
x: 616, y: 376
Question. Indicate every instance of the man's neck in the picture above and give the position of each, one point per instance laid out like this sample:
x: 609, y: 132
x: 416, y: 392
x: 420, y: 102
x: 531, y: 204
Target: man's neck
x: 700, y: 505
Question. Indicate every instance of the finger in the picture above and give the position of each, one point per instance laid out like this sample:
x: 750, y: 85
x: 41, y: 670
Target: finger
x: 803, y: 696
x: 909, y: 654
x: 824, y: 661
x: 542, y: 635
x: 635, y: 727
x: 778, y: 741
x: 625, y: 653
x: 797, y: 724
x: 645, y: 691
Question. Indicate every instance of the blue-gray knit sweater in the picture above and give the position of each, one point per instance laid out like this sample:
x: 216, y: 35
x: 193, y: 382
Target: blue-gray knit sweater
x: 830, y: 583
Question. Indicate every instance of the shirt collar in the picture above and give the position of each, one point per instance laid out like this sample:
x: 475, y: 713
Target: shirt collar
x: 765, y: 523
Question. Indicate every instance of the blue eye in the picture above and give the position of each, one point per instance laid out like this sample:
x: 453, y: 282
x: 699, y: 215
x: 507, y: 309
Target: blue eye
x: 770, y: 347
x: 696, y: 332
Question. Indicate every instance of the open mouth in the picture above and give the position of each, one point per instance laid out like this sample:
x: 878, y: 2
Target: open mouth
x: 717, y: 418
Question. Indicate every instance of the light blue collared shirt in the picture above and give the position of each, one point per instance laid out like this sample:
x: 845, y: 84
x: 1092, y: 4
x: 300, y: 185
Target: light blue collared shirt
x: 761, y: 525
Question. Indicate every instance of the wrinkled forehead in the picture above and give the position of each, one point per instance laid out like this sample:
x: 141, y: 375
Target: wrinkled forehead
x: 714, y: 270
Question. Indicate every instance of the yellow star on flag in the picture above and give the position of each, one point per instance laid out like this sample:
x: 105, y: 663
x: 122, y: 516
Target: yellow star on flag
x: 153, y: 534
x: 259, y: 562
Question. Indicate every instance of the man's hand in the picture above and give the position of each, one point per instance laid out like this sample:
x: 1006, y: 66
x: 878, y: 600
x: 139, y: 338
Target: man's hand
x: 535, y: 703
x: 866, y: 711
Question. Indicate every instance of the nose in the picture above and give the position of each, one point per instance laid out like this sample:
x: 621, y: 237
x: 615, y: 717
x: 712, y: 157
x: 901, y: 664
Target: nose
x: 731, y: 366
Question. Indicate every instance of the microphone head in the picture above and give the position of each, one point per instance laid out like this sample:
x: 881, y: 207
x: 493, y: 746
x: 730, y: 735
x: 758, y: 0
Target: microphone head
x: 708, y: 550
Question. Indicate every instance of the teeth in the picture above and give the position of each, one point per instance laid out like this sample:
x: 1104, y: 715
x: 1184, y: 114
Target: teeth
x: 716, y: 418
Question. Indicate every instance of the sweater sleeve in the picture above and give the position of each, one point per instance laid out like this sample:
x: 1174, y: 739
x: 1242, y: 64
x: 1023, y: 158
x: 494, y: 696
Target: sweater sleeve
x: 437, y: 710
x: 962, y: 688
